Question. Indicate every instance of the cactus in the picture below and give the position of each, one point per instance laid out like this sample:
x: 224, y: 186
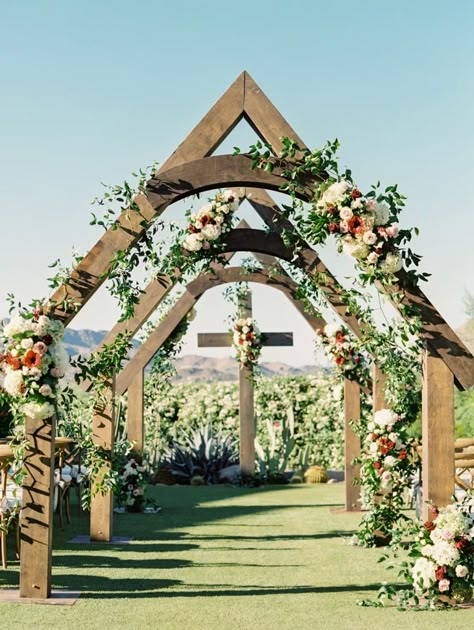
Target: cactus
x: 315, y: 474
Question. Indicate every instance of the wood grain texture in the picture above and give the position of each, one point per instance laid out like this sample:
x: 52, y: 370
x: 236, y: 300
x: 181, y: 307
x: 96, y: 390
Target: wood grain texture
x: 135, y: 409
x: 219, y: 340
x: 437, y: 433
x: 351, y: 445
x: 101, y: 519
x: 246, y: 403
x: 36, y: 516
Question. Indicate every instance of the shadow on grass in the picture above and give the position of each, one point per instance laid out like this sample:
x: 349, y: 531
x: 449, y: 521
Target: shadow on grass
x: 139, y: 588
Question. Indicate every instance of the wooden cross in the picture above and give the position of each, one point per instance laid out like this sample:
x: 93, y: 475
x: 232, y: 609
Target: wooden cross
x: 246, y: 398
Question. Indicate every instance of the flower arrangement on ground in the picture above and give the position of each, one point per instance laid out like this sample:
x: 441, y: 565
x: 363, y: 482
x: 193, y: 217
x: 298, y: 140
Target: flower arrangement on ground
x: 132, y: 482
x: 247, y: 342
x: 211, y: 222
x: 340, y: 348
x: 388, y: 463
x: 443, y: 554
x: 34, y: 360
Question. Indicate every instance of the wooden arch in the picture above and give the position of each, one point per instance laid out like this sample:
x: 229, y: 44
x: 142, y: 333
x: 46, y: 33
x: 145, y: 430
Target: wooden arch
x: 131, y: 378
x: 190, y: 170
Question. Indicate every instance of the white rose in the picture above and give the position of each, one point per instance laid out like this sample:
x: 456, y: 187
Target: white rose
x: 461, y: 571
x: 211, y: 232
x: 356, y: 204
x: 345, y: 213
x: 26, y: 344
x: 372, y: 258
x: 45, y: 390
x: 369, y: 237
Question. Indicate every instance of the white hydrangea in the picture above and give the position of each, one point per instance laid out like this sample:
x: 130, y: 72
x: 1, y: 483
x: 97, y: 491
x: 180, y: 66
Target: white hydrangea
x: 424, y: 572
x: 356, y: 249
x: 444, y: 553
x: 391, y: 263
x: 385, y: 418
x: 13, y: 382
x: 381, y: 214
x: 17, y: 325
x: 461, y: 571
x: 334, y: 194
x: 38, y: 411
x: 192, y: 243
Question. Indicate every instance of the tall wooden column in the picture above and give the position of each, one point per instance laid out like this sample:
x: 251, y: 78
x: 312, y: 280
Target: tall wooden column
x: 36, y: 517
x: 103, y: 436
x: 135, y: 424
x: 246, y: 408
x: 351, y: 444
x: 378, y: 384
x: 437, y: 432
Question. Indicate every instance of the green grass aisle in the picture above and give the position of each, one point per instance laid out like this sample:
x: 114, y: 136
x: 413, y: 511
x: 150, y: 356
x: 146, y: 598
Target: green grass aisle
x: 218, y: 558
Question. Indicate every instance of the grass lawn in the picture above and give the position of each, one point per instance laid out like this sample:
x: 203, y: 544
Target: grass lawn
x: 219, y: 558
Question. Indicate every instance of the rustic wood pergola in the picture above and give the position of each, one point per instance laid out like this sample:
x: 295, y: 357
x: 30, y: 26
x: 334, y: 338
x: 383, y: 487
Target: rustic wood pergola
x: 193, y: 169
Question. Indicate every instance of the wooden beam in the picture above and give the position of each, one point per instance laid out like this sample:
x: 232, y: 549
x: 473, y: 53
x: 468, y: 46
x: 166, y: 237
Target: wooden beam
x: 101, y: 519
x: 218, y: 340
x: 378, y: 385
x: 351, y: 445
x: 135, y: 408
x: 264, y: 118
x: 437, y: 433
x: 214, y: 128
x: 174, y: 184
x: 36, y: 516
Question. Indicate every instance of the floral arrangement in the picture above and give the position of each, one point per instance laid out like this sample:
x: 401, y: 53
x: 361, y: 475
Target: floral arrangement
x: 130, y: 491
x: 388, y: 463
x: 34, y: 360
x: 365, y: 227
x: 247, y: 342
x: 388, y: 452
x: 209, y: 223
x: 339, y: 346
x: 443, y: 554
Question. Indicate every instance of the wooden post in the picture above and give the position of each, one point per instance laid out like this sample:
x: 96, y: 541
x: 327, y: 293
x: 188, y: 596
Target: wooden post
x: 351, y: 444
x: 36, y: 517
x: 437, y: 432
x: 135, y: 424
x: 247, y: 421
x: 246, y: 408
x: 103, y: 436
x: 378, y: 384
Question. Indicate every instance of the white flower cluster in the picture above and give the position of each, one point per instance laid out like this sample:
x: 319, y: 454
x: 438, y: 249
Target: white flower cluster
x: 211, y: 221
x: 34, y: 360
x: 338, y: 346
x: 363, y: 225
x: 446, y: 553
x: 246, y: 341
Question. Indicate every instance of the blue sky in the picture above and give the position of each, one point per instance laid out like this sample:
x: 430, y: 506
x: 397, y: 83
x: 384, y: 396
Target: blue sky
x: 91, y: 90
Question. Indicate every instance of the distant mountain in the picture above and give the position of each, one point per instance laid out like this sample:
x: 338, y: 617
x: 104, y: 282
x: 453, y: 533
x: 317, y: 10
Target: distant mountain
x: 82, y: 341
x: 189, y: 367
x: 197, y: 368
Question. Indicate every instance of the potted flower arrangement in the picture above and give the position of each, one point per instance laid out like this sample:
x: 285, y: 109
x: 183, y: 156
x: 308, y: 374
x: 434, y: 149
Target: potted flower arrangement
x: 132, y: 482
